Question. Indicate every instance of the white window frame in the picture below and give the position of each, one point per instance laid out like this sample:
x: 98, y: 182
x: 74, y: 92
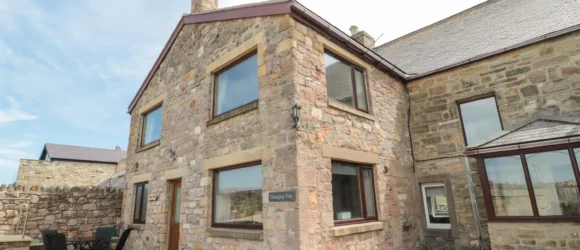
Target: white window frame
x: 425, y: 208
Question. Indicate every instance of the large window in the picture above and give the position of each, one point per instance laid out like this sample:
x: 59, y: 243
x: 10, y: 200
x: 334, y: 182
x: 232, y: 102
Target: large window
x: 353, y: 193
x: 238, y: 197
x: 345, y: 82
x: 480, y: 119
x: 435, y: 205
x: 140, y: 211
x: 532, y: 184
x: 152, y: 126
x: 236, y: 85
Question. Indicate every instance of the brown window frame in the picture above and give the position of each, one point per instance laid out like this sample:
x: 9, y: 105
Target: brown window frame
x: 353, y: 80
x: 365, y: 217
x: 144, y: 124
x: 521, y: 153
x: 215, y: 85
x: 474, y: 99
x: 215, y: 181
x: 139, y: 210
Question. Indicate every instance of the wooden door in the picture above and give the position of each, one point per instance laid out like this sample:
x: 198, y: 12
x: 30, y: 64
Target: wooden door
x: 174, y: 215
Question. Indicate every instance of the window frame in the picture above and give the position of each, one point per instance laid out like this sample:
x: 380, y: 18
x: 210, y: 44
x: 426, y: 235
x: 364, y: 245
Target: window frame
x: 353, y: 81
x: 521, y: 153
x: 428, y: 224
x: 143, y: 198
x: 474, y: 99
x: 213, y: 195
x: 215, y: 85
x: 365, y: 218
x: 143, y: 124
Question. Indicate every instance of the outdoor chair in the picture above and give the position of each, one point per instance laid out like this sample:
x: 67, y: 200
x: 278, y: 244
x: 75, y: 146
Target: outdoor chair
x: 122, y: 240
x: 103, y: 236
x: 56, y: 242
x: 45, y: 233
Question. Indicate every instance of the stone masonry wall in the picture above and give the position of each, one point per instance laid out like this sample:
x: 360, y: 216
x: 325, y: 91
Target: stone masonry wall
x: 74, y: 211
x: 383, y: 132
x: 539, y: 79
x: 538, y: 236
x: 58, y: 173
x: 184, y: 80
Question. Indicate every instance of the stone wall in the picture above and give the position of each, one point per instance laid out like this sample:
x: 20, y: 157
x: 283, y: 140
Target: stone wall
x: 58, y: 173
x: 540, y: 236
x: 539, y: 79
x: 75, y: 211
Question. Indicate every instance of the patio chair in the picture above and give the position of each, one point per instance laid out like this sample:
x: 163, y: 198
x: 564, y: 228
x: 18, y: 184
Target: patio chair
x: 44, y: 233
x: 122, y: 240
x: 103, y: 236
x: 56, y: 242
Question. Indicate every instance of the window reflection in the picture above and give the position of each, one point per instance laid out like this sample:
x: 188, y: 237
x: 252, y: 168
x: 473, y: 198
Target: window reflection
x: 508, y: 188
x: 237, y: 85
x: 554, y: 182
x: 238, y: 197
x: 480, y: 119
x: 152, y: 126
x: 338, y: 80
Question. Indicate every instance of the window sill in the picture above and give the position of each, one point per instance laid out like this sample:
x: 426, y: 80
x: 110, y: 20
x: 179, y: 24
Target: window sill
x: 233, y: 113
x: 148, y: 146
x: 236, y: 233
x: 357, y: 228
x: 138, y: 227
x: 438, y: 232
x: 349, y: 109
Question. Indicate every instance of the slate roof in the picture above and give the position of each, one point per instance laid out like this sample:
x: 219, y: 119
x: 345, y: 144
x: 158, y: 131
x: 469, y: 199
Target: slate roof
x: 487, y: 27
x: 77, y: 153
x: 537, y: 131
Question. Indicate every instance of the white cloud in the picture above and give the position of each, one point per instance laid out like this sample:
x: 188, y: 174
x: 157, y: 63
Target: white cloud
x: 13, y: 113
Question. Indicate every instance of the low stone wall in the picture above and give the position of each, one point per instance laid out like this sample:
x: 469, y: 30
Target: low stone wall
x: 75, y: 211
x: 556, y: 235
x: 59, y: 173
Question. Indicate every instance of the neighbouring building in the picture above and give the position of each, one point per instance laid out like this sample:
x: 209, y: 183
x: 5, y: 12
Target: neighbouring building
x: 60, y: 165
x: 263, y: 126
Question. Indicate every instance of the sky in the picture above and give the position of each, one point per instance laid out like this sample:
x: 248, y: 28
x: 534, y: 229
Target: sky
x: 69, y: 69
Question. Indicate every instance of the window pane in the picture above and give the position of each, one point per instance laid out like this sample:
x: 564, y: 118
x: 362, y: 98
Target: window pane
x: 361, y: 95
x: 480, y: 119
x: 346, y: 198
x: 152, y: 126
x: 145, y: 192
x: 436, y: 204
x: 237, y: 85
x: 239, y: 196
x: 508, y: 188
x: 369, y: 192
x: 554, y: 183
x: 177, y: 202
x: 338, y: 80
x: 138, y: 196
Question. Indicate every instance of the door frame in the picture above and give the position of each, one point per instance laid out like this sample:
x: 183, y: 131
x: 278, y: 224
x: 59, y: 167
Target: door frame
x: 172, y: 193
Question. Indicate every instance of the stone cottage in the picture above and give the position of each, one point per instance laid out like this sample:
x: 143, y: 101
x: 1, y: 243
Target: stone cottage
x: 263, y: 126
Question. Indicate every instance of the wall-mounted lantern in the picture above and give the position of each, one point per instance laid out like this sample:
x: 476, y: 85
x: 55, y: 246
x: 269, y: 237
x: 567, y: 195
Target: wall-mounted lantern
x: 296, y: 115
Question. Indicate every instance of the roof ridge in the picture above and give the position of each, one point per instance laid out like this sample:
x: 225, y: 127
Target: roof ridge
x: 76, y: 146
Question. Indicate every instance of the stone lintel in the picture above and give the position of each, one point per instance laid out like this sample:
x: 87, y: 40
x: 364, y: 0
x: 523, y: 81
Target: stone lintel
x: 357, y: 228
x: 152, y: 104
x: 141, y: 178
x: 349, y: 109
x: 349, y: 155
x: 175, y: 173
x: 235, y: 54
x: 338, y: 50
x: 236, y: 233
x: 241, y: 157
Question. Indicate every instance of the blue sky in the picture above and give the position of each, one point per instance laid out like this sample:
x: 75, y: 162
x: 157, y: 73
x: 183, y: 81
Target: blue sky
x: 68, y: 69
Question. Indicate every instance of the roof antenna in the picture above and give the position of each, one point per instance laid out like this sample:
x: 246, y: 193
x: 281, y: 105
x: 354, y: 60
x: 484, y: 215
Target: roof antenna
x: 376, y: 40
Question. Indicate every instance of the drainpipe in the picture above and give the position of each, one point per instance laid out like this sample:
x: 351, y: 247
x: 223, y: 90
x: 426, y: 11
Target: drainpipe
x: 473, y: 202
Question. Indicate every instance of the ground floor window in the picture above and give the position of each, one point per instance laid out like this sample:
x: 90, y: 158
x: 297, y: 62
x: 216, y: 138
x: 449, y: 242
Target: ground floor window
x: 237, y: 201
x: 532, y: 184
x: 353, y: 193
x: 435, y: 205
x: 140, y: 211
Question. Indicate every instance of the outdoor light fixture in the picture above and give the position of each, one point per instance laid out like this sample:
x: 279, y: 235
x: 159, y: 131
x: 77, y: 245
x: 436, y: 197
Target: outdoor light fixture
x: 172, y: 155
x: 296, y: 114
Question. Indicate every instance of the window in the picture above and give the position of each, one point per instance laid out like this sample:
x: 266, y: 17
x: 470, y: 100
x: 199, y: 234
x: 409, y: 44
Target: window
x: 238, y: 197
x: 435, y: 204
x: 535, y: 185
x: 480, y: 119
x: 236, y: 85
x: 47, y: 157
x: 345, y: 82
x: 152, y: 126
x: 353, y: 193
x: 141, y: 190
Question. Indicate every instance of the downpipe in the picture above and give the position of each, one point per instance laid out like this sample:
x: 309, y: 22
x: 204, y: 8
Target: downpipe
x: 473, y: 201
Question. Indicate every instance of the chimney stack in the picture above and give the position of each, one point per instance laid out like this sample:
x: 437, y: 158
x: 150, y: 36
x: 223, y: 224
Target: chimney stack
x: 362, y: 37
x: 198, y: 6
x: 117, y: 148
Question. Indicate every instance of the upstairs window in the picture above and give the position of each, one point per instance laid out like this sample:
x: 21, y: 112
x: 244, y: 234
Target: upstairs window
x: 353, y: 193
x: 236, y: 85
x: 152, y: 126
x: 480, y: 119
x: 141, y: 190
x: 345, y: 82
